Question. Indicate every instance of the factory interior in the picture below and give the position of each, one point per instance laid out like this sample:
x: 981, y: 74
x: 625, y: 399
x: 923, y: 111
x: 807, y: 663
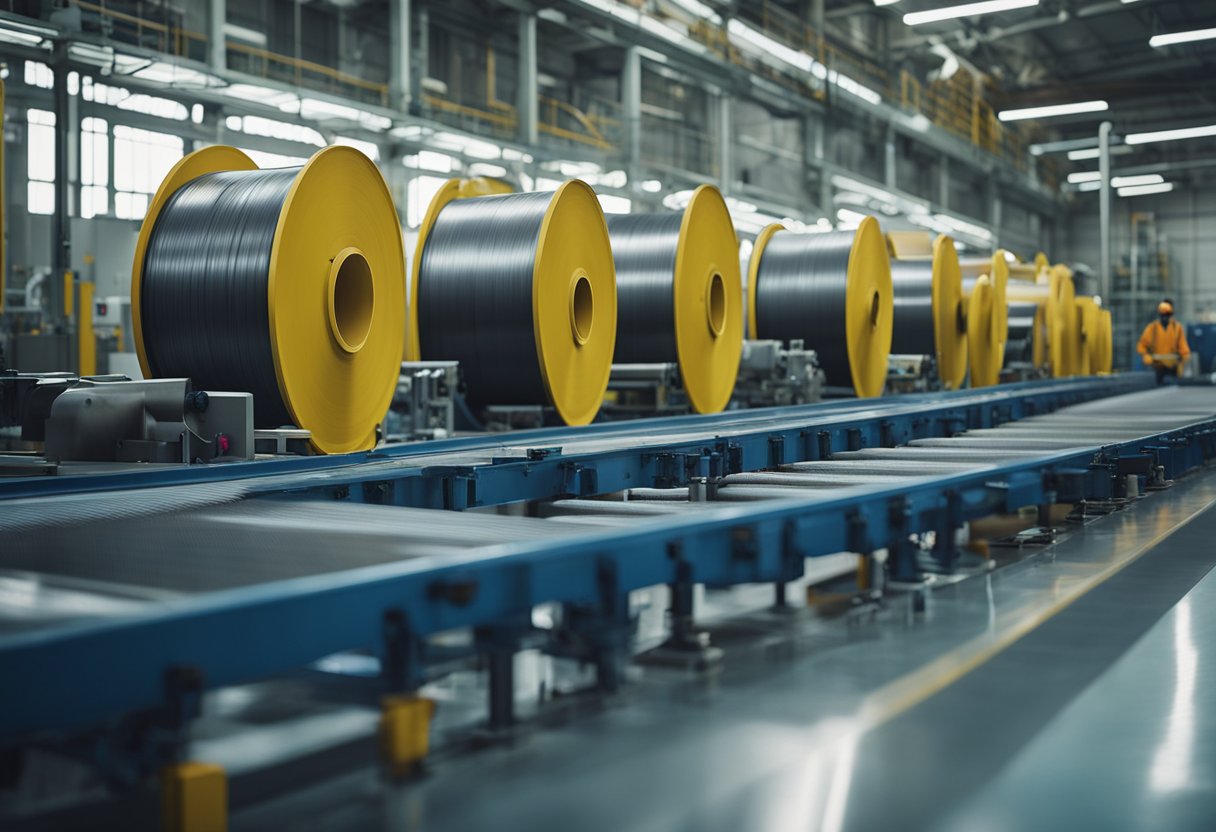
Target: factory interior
x: 690, y: 415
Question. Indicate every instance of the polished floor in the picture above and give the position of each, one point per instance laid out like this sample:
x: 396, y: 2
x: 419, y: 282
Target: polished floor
x: 1070, y: 691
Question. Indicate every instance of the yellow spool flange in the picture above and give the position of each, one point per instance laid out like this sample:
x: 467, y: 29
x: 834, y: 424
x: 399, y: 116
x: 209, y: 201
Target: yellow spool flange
x: 1062, y: 324
x: 1041, y: 263
x: 1105, y: 354
x: 997, y: 269
x: 574, y: 302
x: 949, y: 314
x: 1090, y: 335
x: 335, y: 291
x: 984, y: 349
x: 869, y: 309
x: 707, y: 296
x: 753, y: 272
x: 448, y: 191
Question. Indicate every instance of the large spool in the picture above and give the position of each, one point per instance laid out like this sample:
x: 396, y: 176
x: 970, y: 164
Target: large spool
x: 929, y: 315
x: 1105, y: 352
x: 1059, y: 311
x: 985, y: 349
x: 680, y: 296
x: 832, y: 291
x: 286, y: 283
x: 1089, y: 314
x: 997, y: 269
x: 521, y: 290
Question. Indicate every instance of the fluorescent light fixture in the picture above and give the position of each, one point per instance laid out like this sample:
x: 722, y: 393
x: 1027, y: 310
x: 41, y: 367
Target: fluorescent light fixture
x: 1171, y: 135
x: 486, y: 169
x: 1133, y: 181
x: 845, y: 217
x: 1142, y: 190
x: 885, y: 2
x: 966, y: 10
x: 1092, y: 185
x: 1081, y: 155
x: 1054, y: 110
x: 652, y: 186
x: 24, y: 34
x: 963, y: 227
x: 1084, y: 176
x: 1157, y: 41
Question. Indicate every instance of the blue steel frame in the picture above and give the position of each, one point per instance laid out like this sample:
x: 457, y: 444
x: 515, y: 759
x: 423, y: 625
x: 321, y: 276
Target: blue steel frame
x: 419, y: 476
x: 76, y: 678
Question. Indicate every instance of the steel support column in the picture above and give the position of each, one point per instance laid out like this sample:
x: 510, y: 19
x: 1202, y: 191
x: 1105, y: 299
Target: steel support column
x: 631, y: 109
x: 528, y: 101
x: 1104, y: 211
x: 217, y: 45
x: 726, y: 143
x: 400, y: 89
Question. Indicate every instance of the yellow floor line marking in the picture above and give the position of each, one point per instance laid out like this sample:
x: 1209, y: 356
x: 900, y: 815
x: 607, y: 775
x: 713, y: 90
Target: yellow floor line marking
x: 910, y: 690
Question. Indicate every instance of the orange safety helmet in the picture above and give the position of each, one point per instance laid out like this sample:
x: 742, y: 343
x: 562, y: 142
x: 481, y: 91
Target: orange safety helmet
x: 1165, y: 308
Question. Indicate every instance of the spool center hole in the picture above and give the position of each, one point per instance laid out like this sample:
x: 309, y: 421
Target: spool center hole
x: 875, y: 307
x: 715, y: 304
x: 352, y: 299
x: 582, y: 309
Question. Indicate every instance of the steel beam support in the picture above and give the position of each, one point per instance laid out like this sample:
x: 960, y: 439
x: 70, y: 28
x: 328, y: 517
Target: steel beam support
x: 726, y: 142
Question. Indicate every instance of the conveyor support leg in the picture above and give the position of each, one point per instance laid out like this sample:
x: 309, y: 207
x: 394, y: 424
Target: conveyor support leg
x: 194, y: 798
x: 405, y: 733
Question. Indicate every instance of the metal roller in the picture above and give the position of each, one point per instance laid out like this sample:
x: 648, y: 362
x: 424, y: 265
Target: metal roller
x: 288, y: 284
x: 521, y: 290
x: 929, y: 316
x: 832, y: 291
x: 680, y: 296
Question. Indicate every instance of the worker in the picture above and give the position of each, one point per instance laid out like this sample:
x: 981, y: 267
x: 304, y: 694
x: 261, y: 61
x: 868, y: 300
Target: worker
x: 1163, y: 345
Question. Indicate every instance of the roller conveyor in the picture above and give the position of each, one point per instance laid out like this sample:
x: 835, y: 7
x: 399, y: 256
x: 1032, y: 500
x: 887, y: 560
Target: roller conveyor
x: 157, y: 572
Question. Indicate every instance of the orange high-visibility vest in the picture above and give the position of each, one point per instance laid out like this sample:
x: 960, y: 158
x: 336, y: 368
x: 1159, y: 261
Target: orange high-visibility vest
x: 1166, y: 344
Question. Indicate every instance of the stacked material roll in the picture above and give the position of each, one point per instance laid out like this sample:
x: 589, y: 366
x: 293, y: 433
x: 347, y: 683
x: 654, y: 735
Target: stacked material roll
x: 287, y: 283
x: 930, y: 317
x: 679, y: 295
x: 830, y: 290
x: 1056, y: 298
x: 521, y: 290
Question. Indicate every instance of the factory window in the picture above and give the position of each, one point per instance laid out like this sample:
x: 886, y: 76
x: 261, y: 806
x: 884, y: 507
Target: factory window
x: 40, y: 161
x: 418, y: 195
x: 39, y: 75
x: 94, y: 167
x: 141, y: 160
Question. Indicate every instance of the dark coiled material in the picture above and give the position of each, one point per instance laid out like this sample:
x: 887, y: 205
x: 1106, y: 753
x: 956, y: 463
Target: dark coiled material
x: 912, y: 284
x: 1020, y: 346
x: 644, y: 251
x: 204, y: 289
x: 801, y: 293
x: 475, y: 295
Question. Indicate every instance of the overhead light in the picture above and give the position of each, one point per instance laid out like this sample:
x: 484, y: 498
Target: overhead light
x: 1171, y: 135
x: 885, y: 2
x: 1141, y: 190
x: 966, y: 10
x: 1133, y: 181
x: 964, y: 227
x: 1094, y: 153
x: 1091, y: 185
x: 652, y: 186
x: 1054, y: 110
x: 847, y: 218
x: 1084, y: 176
x: 761, y: 41
x: 1157, y: 41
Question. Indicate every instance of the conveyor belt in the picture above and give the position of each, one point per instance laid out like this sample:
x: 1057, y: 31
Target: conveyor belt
x: 282, y: 565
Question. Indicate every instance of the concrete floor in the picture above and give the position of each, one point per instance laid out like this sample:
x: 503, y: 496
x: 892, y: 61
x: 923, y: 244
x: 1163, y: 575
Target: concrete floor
x: 1064, y: 692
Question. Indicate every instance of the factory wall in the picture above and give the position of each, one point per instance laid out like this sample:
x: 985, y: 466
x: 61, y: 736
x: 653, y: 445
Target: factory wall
x: 1183, y: 221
